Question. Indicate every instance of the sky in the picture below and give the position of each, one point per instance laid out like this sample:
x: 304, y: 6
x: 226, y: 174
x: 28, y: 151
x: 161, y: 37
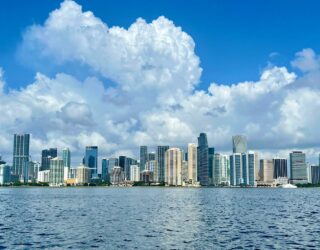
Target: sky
x: 121, y: 74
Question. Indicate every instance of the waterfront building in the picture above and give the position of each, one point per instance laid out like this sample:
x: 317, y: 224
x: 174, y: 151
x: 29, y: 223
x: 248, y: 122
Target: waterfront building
x: 315, y: 174
x: 73, y: 173
x: 66, y: 157
x: 134, y: 173
x: 239, y: 144
x: 91, y: 160
x: 33, y: 169
x: 56, y: 175
x: 280, y: 168
x: 210, y: 162
x: 125, y: 163
x: 43, y: 176
x: 192, y: 163
x: 202, y: 160
x: 5, y: 174
x: 83, y: 174
x: 117, y: 175
x: 173, y: 166
x: 298, y: 167
x: 267, y: 170
x: 105, y: 170
x: 236, y: 169
x: 160, y: 158
x: 21, y: 145
x: 249, y: 168
x: 257, y: 166
x: 46, y: 156
x: 143, y: 157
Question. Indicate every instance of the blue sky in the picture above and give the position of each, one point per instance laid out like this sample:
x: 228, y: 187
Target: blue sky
x: 233, y: 38
x: 73, y: 78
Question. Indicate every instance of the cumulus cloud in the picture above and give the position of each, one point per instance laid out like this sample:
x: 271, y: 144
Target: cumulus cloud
x: 154, y: 96
x: 146, y: 55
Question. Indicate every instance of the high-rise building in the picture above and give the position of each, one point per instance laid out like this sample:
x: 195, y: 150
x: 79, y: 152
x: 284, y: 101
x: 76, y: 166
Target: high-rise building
x: 249, y: 168
x: 117, y: 175
x: 202, y: 160
x: 298, y: 167
x: 236, y: 169
x: 220, y: 171
x: 82, y: 174
x: 21, y: 145
x: 160, y: 158
x: 266, y: 167
x: 210, y: 162
x: 105, y: 170
x: 315, y: 174
x: 143, y: 157
x: 192, y: 163
x: 91, y: 160
x: 280, y: 168
x: 56, y: 175
x: 134, y: 173
x: 239, y: 144
x: 112, y: 162
x: 46, y: 156
x: 125, y: 163
x: 173, y: 167
x: 5, y: 174
x: 66, y: 157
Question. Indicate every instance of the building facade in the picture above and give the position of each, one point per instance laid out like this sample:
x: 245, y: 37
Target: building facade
x: 173, y: 167
x: 21, y: 145
x: 82, y: 175
x: 280, y: 168
x: 203, y: 160
x: 160, y: 158
x: 192, y: 163
x: 56, y: 175
x: 134, y: 173
x: 298, y: 167
x: 91, y: 160
x: 267, y: 169
x: 143, y: 157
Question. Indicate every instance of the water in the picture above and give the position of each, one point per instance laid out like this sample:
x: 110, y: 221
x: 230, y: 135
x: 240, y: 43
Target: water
x: 163, y: 218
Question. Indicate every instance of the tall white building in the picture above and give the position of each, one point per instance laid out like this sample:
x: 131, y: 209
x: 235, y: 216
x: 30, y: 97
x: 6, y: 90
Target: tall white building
x: 56, y: 176
x: 134, y: 173
x: 192, y: 163
x: 173, y: 167
x: 266, y: 168
x: 221, y: 169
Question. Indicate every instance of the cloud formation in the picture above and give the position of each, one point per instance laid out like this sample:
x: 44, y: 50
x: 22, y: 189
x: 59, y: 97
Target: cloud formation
x: 153, y: 97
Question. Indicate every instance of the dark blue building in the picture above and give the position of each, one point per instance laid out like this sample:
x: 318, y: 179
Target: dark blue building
x: 203, y: 160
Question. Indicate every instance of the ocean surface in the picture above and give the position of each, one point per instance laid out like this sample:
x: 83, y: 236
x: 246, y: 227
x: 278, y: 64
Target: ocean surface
x: 159, y: 218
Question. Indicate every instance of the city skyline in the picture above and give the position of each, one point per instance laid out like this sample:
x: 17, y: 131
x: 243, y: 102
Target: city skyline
x: 121, y: 97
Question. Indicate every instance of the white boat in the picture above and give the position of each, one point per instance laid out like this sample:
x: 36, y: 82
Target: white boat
x: 288, y: 186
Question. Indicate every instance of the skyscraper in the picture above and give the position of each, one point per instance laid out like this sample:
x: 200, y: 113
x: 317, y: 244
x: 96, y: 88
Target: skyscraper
x: 239, y: 144
x: 66, y: 157
x: 46, y: 156
x: 266, y: 167
x: 143, y: 157
x: 236, y: 169
x: 151, y: 156
x: 56, y: 175
x: 21, y: 145
x: 280, y: 168
x: 192, y: 163
x: 91, y: 160
x: 105, y: 170
x: 249, y: 168
x: 160, y: 158
x: 173, y: 167
x: 315, y: 174
x: 202, y: 160
x: 210, y: 162
x: 298, y: 167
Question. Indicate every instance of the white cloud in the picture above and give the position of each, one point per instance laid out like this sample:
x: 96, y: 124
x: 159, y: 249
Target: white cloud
x: 306, y: 60
x: 154, y: 99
